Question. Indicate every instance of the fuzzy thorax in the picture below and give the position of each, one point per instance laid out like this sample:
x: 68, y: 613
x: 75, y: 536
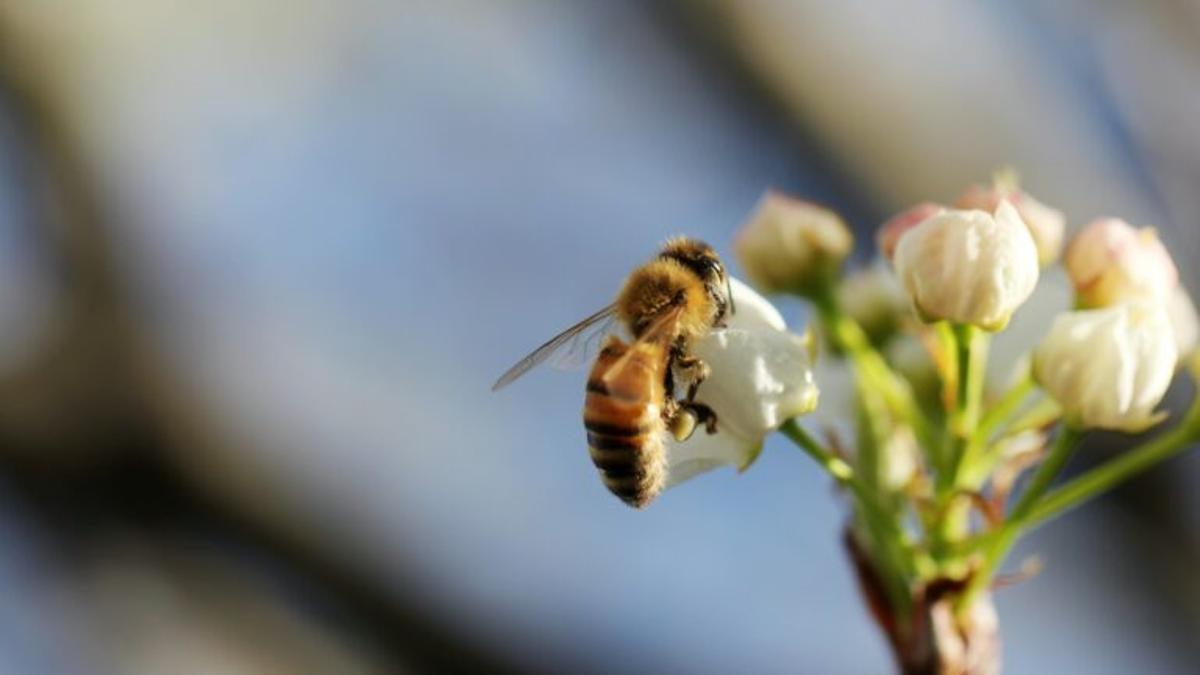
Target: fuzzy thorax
x: 658, y: 285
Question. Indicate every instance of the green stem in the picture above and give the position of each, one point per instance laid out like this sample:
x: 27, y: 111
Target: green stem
x: 873, y: 426
x: 1064, y: 446
x: 835, y: 466
x: 977, y: 461
x: 884, y: 531
x: 971, y: 347
x: 999, y: 413
x: 1116, y: 471
x: 1043, y: 413
x: 871, y: 368
x: 975, y: 343
x: 839, y: 469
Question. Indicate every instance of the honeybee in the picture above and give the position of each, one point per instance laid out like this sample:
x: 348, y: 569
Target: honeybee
x: 665, y: 306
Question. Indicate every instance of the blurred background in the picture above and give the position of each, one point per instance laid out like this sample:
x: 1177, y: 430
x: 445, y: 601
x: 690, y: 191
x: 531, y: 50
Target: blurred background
x: 260, y: 261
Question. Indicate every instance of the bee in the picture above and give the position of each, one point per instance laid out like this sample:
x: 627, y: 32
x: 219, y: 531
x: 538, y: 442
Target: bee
x: 630, y: 403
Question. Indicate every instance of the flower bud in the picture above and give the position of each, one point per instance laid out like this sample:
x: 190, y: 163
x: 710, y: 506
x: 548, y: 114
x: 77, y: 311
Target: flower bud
x: 888, y: 235
x: 790, y: 245
x: 1108, y: 368
x: 760, y: 376
x: 1111, y: 262
x: 873, y: 297
x: 968, y: 267
x: 1046, y: 225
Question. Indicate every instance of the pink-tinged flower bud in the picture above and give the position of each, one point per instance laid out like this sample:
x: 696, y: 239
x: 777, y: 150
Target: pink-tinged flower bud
x: 1109, y: 368
x: 1045, y: 224
x: 1110, y: 262
x: 888, y: 234
x: 968, y: 267
x: 792, y: 245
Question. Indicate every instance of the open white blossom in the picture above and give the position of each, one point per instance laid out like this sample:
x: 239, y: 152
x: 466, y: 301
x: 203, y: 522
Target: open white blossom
x: 1109, y: 368
x: 968, y: 267
x: 761, y: 376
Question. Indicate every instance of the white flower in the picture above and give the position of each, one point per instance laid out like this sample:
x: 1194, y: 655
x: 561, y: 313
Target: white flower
x: 1111, y: 262
x: 761, y: 376
x: 968, y: 266
x: 791, y: 245
x: 1108, y: 368
x: 1045, y: 224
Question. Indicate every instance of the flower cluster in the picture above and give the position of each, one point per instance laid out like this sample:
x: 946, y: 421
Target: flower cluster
x: 925, y: 432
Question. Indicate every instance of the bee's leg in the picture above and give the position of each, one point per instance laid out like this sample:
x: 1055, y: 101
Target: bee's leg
x: 671, y: 409
x: 704, y: 415
x: 696, y: 371
x: 682, y: 420
x: 685, y: 417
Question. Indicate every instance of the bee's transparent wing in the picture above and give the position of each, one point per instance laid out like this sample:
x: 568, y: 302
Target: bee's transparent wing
x: 570, y: 349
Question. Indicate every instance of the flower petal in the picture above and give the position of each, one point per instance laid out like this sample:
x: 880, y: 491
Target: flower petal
x: 760, y: 375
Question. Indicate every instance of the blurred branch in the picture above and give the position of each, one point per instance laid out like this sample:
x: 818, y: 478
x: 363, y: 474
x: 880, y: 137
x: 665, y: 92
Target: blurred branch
x: 88, y: 373
x: 85, y: 366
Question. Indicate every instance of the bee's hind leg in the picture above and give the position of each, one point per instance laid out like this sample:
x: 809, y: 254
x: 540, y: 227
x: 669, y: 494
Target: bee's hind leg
x: 695, y: 371
x: 704, y: 415
x: 686, y: 416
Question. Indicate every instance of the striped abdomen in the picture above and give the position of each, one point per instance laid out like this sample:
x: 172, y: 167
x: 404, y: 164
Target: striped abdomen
x: 623, y: 417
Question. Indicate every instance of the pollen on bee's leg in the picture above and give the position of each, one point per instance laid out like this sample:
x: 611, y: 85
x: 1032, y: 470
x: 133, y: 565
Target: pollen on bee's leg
x: 683, y: 424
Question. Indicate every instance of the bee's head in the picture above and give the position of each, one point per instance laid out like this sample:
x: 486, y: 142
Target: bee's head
x: 700, y: 258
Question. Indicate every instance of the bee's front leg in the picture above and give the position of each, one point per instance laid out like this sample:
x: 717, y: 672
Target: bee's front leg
x: 695, y: 372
